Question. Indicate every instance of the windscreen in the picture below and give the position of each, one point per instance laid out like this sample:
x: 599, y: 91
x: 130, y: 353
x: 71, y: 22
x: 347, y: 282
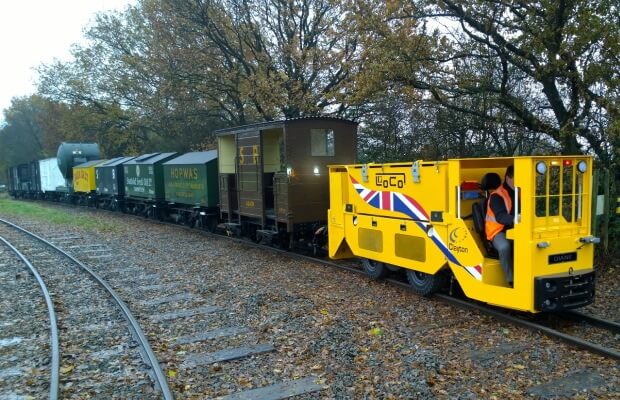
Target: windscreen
x: 561, y: 194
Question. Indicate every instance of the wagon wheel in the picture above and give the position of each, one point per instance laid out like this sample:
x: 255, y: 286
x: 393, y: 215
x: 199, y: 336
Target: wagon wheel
x: 281, y: 241
x: 211, y: 223
x: 425, y: 284
x: 198, y: 222
x: 189, y: 220
x: 374, y: 269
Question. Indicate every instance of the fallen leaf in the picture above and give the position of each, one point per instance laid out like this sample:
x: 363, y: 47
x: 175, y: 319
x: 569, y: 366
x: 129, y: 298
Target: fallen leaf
x: 376, y: 332
x: 67, y: 369
x: 324, y: 312
x: 172, y: 373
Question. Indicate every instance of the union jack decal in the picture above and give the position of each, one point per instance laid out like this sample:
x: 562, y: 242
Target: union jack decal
x: 400, y: 202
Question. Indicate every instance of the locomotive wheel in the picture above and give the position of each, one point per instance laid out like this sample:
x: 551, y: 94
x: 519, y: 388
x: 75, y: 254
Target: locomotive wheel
x: 424, y: 284
x: 374, y: 269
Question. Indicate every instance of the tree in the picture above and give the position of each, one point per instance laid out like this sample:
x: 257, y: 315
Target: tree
x: 287, y: 58
x: 22, y: 138
x: 122, y: 80
x: 549, y: 67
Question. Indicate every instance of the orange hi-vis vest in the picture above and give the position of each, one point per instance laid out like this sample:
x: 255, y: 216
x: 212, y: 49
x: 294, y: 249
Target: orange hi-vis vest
x: 491, y: 226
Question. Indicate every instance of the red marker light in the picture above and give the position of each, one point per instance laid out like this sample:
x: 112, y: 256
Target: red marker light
x: 567, y: 163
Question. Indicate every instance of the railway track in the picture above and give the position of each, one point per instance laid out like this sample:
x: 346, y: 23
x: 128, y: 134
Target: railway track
x: 611, y: 326
x: 96, y: 354
x: 21, y: 294
x: 533, y: 325
x: 201, y: 327
x: 187, y: 327
x: 517, y: 320
x: 522, y: 320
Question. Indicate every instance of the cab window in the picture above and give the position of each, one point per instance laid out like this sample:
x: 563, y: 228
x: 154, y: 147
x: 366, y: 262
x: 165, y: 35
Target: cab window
x: 322, y: 142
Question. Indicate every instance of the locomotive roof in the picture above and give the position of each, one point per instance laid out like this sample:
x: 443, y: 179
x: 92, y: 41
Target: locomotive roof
x: 150, y: 158
x: 196, y: 157
x: 116, y: 161
x: 280, y: 123
x: 469, y: 159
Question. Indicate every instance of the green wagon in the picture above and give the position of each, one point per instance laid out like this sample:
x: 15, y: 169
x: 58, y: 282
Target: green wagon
x: 144, y: 183
x: 191, y: 188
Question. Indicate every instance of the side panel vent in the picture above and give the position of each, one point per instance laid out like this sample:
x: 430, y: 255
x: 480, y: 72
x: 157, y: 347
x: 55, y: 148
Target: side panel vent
x: 411, y: 247
x: 370, y: 239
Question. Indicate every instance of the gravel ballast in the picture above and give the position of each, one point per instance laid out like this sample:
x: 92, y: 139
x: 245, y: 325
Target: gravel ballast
x: 343, y: 335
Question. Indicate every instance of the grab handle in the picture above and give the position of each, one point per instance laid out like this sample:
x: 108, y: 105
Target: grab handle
x: 517, y: 213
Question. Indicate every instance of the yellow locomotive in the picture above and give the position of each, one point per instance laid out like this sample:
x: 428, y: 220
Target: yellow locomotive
x: 428, y: 219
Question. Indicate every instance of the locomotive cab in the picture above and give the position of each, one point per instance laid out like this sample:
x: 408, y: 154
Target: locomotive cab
x: 428, y: 219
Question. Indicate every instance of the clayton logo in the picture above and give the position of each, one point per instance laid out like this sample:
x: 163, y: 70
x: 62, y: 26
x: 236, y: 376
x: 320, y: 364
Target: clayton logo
x: 457, y: 235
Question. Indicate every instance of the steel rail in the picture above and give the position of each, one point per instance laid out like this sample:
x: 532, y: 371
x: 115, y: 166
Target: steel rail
x: 55, y: 347
x: 143, y: 341
x: 500, y: 315
x: 612, y: 326
x: 574, y: 340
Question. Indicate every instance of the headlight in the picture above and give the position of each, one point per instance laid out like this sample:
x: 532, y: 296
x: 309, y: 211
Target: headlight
x: 582, y: 166
x: 541, y: 167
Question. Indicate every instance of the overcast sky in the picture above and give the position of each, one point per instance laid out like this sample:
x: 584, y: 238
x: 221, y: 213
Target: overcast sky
x: 37, y: 31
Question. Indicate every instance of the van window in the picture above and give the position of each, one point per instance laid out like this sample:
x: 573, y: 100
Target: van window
x: 322, y: 142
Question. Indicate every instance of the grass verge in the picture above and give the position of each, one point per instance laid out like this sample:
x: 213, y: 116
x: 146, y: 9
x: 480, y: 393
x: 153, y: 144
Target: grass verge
x: 53, y: 216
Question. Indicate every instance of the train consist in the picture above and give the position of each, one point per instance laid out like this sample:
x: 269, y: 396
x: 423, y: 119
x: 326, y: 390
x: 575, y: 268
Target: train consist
x: 269, y: 183
x: 294, y: 184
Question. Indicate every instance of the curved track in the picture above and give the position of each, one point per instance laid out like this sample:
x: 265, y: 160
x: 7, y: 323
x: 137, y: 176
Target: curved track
x: 55, y: 347
x: 134, y: 325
